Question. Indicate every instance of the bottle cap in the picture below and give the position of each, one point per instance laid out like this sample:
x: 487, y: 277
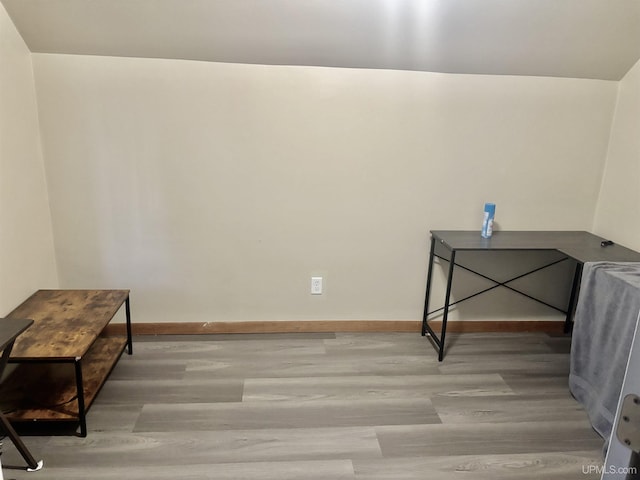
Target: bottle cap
x: 490, y: 208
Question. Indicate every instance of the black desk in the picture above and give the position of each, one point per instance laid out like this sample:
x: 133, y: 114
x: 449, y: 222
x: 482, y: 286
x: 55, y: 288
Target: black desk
x: 580, y: 246
x: 9, y: 330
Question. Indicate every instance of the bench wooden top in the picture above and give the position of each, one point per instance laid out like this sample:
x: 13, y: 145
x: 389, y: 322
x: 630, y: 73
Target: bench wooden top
x: 66, y: 322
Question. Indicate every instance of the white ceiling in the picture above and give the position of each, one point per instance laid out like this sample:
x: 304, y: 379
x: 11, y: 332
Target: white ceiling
x: 561, y: 38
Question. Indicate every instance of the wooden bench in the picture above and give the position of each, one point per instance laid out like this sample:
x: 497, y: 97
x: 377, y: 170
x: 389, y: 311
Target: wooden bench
x: 65, y: 357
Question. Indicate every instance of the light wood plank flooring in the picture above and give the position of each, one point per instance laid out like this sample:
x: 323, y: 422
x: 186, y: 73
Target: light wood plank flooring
x: 329, y: 406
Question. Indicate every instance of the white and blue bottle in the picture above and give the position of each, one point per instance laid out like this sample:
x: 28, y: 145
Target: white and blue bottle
x: 487, y: 223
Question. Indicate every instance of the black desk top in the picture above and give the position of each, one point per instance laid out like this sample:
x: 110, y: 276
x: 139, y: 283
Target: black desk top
x: 10, y: 328
x: 579, y: 245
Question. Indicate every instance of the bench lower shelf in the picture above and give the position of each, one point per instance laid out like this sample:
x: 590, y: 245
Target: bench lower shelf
x: 46, y: 389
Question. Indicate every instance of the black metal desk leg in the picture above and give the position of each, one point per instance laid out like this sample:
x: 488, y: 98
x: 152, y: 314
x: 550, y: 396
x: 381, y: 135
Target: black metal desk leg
x: 82, y: 414
x: 17, y: 441
x: 6, y: 425
x: 128, y: 312
x: 447, y: 298
x: 573, y: 298
x: 428, y: 292
x: 5, y: 356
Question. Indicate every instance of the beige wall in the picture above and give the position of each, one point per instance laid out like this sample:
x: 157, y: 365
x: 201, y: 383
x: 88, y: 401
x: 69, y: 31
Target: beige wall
x: 216, y: 191
x: 618, y: 212
x: 27, y: 260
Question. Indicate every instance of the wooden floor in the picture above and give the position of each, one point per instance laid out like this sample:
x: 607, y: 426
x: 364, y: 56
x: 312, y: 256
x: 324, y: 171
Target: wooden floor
x: 329, y: 406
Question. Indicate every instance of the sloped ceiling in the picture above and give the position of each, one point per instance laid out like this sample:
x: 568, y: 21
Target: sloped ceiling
x: 597, y: 39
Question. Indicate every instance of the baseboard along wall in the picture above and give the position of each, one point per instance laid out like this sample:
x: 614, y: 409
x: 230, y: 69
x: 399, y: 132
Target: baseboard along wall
x: 196, y: 328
